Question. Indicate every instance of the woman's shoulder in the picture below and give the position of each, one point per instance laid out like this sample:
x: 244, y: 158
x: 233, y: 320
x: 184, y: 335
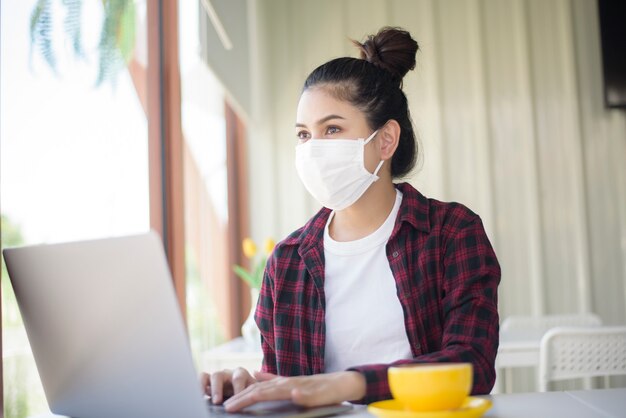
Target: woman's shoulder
x: 307, y: 233
x: 431, y: 214
x: 452, y: 214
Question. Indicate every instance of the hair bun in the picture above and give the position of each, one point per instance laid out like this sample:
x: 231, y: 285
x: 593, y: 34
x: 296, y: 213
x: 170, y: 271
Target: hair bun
x: 392, y: 49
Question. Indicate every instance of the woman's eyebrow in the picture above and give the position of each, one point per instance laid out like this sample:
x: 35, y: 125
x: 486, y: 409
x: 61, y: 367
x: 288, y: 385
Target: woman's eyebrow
x: 321, y: 121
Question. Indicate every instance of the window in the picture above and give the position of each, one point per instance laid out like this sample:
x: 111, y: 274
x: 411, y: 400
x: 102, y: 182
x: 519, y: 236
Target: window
x: 206, y: 191
x: 212, y: 235
x: 80, y: 158
x: 74, y: 161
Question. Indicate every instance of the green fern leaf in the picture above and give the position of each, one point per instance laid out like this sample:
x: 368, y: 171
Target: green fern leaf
x: 244, y: 274
x: 125, y: 41
x: 258, y: 273
x: 111, y: 60
x: 41, y: 32
x: 73, y: 24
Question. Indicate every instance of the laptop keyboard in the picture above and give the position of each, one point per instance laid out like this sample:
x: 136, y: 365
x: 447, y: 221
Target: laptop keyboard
x: 261, y: 409
x: 215, y: 410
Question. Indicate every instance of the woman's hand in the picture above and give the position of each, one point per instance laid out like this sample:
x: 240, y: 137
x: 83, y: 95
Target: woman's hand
x: 316, y: 390
x: 226, y: 383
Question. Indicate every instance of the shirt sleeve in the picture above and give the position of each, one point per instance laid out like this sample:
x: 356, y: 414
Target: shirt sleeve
x: 469, y: 307
x: 264, y: 317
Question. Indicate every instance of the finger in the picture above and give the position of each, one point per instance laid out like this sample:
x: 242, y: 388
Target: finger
x: 242, y: 400
x: 316, y: 393
x: 264, y: 376
x: 205, y: 383
x: 241, y: 380
x: 217, y: 387
x: 257, y: 393
x: 305, y: 397
x: 244, y: 392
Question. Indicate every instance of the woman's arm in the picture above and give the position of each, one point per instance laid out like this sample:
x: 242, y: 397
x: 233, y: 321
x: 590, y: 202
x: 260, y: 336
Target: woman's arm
x: 226, y: 383
x: 470, y: 279
x: 264, y: 317
x: 470, y: 317
x: 315, y: 390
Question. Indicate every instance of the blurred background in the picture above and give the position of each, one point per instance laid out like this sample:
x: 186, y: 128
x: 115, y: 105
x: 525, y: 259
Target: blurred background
x: 119, y: 116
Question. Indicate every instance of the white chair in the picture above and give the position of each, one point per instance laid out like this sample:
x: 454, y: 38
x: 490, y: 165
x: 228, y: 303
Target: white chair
x: 541, y: 324
x: 532, y: 328
x: 581, y: 352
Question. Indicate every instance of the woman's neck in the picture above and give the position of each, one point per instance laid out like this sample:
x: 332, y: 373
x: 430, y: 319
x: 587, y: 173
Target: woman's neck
x: 366, y: 215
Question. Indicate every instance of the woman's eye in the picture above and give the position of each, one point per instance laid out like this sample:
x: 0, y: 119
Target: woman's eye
x: 331, y: 130
x: 303, y: 135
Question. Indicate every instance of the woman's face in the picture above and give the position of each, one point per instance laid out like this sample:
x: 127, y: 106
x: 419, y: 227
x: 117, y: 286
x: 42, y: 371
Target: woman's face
x: 322, y: 116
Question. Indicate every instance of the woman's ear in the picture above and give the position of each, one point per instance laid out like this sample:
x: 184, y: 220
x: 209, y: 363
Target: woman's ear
x: 389, y: 137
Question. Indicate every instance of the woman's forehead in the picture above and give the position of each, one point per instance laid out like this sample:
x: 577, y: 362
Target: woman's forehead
x: 316, y: 104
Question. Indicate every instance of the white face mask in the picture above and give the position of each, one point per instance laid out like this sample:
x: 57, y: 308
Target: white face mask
x: 333, y: 170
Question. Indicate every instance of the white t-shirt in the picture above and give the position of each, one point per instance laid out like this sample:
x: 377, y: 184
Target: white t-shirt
x: 364, y: 318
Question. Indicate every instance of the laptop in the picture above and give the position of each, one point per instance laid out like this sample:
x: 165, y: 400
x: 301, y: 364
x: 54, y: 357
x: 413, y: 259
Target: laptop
x: 107, y: 333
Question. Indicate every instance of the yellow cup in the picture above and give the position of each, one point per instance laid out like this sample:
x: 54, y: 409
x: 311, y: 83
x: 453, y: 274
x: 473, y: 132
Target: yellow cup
x: 431, y: 386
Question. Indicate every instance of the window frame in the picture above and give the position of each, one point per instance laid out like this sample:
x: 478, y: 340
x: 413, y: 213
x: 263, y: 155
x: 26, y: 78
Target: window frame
x: 238, y: 216
x: 161, y: 98
x: 165, y: 152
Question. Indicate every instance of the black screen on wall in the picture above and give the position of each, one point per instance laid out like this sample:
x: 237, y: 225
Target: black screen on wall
x: 613, y: 41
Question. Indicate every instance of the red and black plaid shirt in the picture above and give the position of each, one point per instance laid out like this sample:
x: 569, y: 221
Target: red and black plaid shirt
x: 447, y: 276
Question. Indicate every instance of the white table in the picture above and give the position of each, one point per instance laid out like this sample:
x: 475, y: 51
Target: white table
x: 573, y: 404
x: 601, y: 403
x: 516, y: 349
x: 235, y: 353
x: 610, y: 401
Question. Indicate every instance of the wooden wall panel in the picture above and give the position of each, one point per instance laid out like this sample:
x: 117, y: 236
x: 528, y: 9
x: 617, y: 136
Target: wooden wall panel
x: 513, y: 150
x: 506, y: 99
x: 565, y: 253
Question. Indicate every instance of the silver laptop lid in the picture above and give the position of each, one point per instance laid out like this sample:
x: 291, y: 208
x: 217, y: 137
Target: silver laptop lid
x: 105, y: 328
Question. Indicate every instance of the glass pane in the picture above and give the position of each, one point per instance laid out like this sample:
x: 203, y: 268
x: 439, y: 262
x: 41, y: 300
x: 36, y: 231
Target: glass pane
x: 74, y: 161
x: 206, y: 190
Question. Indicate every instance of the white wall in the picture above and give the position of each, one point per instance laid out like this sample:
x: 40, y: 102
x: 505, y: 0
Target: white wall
x: 507, y: 100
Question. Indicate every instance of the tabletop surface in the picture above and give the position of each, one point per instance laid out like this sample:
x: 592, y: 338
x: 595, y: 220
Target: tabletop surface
x: 572, y: 404
x: 605, y: 403
x: 612, y: 401
x: 564, y: 404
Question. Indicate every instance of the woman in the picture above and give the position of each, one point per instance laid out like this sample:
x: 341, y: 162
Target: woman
x: 381, y: 275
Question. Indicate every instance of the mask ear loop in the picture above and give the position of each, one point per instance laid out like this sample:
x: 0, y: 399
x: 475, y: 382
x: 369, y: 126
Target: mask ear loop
x: 378, y: 167
x: 369, y: 138
x: 380, y: 164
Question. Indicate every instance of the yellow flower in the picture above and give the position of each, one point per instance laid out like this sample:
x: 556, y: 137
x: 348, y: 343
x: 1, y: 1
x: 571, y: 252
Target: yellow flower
x: 249, y: 248
x: 269, y: 245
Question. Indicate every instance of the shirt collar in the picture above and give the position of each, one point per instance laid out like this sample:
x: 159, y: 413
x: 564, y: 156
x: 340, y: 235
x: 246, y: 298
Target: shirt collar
x: 414, y: 209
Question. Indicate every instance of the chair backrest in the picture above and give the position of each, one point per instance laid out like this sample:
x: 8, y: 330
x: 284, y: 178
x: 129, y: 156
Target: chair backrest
x: 541, y: 324
x: 575, y: 352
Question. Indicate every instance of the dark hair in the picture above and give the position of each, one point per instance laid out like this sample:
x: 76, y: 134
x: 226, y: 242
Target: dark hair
x: 374, y: 85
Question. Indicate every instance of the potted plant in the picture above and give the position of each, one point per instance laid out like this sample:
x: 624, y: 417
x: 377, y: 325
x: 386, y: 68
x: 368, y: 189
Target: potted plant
x: 254, y: 279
